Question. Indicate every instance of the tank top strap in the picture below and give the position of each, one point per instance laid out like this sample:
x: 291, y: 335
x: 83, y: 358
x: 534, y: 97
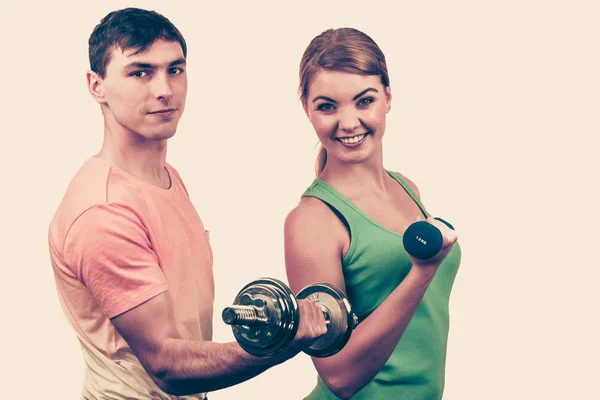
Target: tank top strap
x: 410, y: 192
x: 342, y: 207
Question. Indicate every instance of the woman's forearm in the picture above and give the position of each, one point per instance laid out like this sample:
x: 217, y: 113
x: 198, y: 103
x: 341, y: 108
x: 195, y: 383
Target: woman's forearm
x: 376, y: 337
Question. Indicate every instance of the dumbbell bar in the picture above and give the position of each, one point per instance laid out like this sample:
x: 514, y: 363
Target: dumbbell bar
x: 423, y: 240
x: 265, y: 317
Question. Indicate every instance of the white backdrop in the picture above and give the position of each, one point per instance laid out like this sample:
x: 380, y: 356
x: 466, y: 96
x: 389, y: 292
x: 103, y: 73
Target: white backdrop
x: 494, y: 116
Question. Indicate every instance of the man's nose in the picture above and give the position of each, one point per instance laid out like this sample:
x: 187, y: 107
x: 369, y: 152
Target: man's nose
x: 162, y: 87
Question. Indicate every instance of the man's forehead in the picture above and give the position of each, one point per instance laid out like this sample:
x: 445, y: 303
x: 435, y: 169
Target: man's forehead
x: 160, y: 52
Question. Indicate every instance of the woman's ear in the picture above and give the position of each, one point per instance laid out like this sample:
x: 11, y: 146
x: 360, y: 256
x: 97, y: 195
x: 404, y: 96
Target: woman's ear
x: 305, y: 107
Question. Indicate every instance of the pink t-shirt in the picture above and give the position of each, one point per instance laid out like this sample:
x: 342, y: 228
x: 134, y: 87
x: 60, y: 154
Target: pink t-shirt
x: 115, y: 242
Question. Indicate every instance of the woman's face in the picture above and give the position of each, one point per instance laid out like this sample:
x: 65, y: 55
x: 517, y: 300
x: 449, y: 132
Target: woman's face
x: 348, y: 113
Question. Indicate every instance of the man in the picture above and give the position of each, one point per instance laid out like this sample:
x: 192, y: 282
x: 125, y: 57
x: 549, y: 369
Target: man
x: 131, y: 257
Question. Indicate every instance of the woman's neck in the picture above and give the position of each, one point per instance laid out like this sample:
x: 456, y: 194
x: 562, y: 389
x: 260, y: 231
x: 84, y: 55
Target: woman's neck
x: 354, y: 179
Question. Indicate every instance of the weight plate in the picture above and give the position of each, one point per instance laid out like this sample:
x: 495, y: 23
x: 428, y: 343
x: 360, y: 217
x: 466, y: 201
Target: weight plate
x: 281, y: 311
x: 339, y: 312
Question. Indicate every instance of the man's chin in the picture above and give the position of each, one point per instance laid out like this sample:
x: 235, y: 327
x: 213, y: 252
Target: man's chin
x: 162, y: 134
x: 165, y: 135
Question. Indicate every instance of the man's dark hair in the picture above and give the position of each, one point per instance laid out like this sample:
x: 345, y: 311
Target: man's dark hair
x: 129, y: 28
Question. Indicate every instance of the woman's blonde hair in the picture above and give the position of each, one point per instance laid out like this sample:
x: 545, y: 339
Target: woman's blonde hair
x: 343, y: 49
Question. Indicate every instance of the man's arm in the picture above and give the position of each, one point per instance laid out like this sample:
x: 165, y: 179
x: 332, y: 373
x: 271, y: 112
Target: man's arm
x: 110, y: 253
x: 182, y: 367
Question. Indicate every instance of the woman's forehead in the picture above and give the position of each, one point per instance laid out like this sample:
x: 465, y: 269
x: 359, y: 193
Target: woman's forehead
x: 342, y: 84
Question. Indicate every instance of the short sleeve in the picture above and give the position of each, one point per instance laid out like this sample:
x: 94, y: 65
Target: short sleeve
x: 109, y: 250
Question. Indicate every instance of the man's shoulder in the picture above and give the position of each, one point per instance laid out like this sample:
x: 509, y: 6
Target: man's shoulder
x: 94, y: 184
x: 86, y: 188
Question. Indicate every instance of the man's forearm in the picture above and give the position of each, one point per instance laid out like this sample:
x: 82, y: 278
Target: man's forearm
x: 187, y: 367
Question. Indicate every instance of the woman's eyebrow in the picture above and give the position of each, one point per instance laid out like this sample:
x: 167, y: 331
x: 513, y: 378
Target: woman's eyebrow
x: 354, y: 98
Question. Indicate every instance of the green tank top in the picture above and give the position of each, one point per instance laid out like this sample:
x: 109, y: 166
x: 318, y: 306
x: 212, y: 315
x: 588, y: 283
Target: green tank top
x: 376, y: 263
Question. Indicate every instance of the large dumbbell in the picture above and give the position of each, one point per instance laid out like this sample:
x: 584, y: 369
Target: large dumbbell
x: 423, y: 240
x: 264, y: 317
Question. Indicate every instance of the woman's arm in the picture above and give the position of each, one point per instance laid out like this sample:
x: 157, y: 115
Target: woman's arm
x: 314, y: 246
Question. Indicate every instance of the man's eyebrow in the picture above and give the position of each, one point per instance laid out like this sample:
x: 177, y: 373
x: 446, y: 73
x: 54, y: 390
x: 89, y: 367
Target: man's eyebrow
x: 355, y: 97
x: 143, y: 65
x: 180, y: 61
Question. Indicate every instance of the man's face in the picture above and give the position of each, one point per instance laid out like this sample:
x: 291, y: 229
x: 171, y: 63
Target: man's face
x: 145, y: 92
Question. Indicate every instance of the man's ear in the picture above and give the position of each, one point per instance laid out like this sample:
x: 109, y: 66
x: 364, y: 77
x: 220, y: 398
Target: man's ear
x: 388, y: 99
x: 95, y: 85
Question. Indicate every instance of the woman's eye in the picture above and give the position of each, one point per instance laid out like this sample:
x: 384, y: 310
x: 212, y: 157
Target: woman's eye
x: 366, y: 101
x: 325, y: 107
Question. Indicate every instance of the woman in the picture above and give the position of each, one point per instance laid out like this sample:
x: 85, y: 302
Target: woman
x: 347, y: 231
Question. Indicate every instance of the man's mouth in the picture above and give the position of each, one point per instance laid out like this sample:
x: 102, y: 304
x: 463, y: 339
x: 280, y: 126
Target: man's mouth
x: 163, y: 111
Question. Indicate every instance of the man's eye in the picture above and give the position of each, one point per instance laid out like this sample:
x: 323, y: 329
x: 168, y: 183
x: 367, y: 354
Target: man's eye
x: 138, y: 74
x: 175, y: 71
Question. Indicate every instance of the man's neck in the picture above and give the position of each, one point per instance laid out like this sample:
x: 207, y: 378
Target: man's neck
x: 144, y: 159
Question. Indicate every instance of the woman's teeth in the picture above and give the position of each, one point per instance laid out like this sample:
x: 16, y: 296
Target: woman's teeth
x: 354, y: 139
